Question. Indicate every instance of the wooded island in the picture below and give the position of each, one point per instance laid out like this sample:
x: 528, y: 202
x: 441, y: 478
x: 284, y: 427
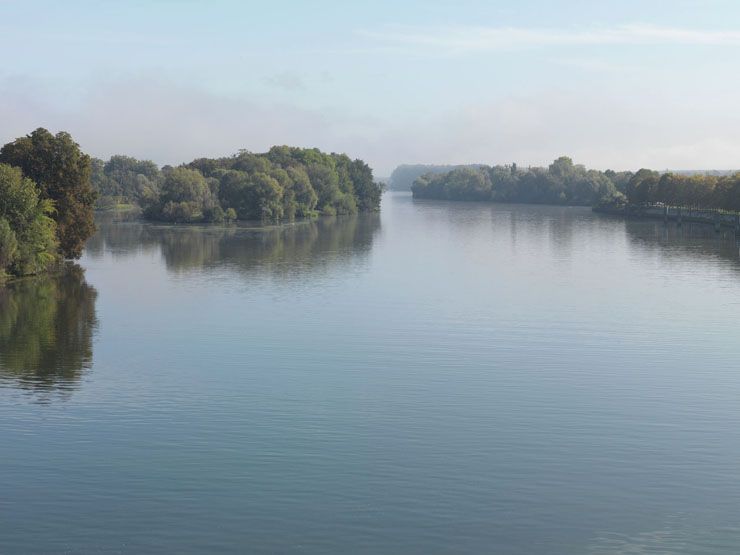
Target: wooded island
x: 49, y: 190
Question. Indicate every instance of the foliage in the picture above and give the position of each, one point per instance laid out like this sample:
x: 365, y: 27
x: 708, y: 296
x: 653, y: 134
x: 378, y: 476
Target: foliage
x: 284, y: 183
x: 185, y: 197
x: 563, y: 182
x: 62, y: 174
x: 254, y: 196
x: 403, y: 176
x: 125, y: 180
x: 27, y: 232
x: 695, y: 191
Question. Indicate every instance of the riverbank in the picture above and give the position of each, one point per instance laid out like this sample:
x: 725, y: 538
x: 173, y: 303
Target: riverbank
x: 717, y: 218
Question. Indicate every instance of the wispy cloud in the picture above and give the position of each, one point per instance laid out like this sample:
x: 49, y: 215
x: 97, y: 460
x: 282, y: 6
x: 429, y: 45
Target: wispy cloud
x: 466, y: 39
x: 153, y: 117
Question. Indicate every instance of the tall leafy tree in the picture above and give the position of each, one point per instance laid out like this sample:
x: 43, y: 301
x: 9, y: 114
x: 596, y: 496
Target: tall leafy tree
x: 62, y: 172
x: 642, y: 187
x: 27, y: 238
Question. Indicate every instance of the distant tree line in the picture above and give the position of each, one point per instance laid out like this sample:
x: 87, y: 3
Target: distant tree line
x: 562, y: 182
x: 403, y: 176
x: 46, y: 202
x: 284, y: 183
x: 694, y: 191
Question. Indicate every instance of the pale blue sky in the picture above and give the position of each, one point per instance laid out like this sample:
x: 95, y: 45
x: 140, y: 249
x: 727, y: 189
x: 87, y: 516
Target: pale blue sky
x: 615, y: 84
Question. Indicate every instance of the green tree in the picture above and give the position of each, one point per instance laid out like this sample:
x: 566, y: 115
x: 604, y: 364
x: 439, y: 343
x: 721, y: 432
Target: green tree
x: 366, y: 190
x: 27, y: 233
x: 562, y: 168
x: 253, y: 197
x: 133, y: 180
x: 325, y: 181
x: 281, y: 184
x: 303, y: 192
x: 185, y: 196
x: 563, y: 182
x: 8, y: 245
x: 62, y: 173
x: 642, y: 187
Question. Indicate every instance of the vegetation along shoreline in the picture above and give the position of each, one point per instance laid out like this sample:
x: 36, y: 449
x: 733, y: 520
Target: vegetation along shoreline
x: 49, y: 190
x: 702, y: 198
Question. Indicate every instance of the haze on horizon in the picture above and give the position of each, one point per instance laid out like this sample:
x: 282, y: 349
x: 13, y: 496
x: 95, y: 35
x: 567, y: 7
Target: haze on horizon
x: 617, y: 85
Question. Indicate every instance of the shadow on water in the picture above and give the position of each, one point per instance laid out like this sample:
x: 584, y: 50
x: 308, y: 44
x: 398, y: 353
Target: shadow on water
x: 284, y: 251
x: 47, y: 326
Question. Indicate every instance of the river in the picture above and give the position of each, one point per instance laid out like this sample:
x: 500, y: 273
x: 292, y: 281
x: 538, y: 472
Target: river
x: 439, y: 378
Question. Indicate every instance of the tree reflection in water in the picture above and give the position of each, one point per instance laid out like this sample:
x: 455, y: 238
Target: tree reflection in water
x: 691, y: 242
x: 283, y: 251
x: 47, y: 326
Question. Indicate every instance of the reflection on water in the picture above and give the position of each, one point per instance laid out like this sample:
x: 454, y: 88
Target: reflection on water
x: 281, y: 251
x: 466, y: 378
x: 311, y: 245
x: 46, y: 330
x: 565, y: 229
x: 699, y: 241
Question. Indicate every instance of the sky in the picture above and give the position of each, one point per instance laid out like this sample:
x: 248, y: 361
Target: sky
x: 613, y: 84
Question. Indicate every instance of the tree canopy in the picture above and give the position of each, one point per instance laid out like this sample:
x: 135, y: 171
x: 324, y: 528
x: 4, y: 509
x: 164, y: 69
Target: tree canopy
x: 403, y: 176
x: 61, y: 172
x: 125, y: 180
x: 27, y: 231
x: 563, y: 182
x: 695, y: 191
x: 283, y: 183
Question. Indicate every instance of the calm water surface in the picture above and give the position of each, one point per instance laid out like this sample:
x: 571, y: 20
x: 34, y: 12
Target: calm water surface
x: 443, y: 378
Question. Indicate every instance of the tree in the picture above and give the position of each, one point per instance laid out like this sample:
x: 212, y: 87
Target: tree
x: 325, y: 181
x: 404, y: 176
x: 234, y: 194
x: 185, y: 196
x: 253, y: 197
x: 27, y: 233
x: 366, y: 189
x: 62, y: 173
x: 562, y: 168
x: 303, y: 192
x: 8, y: 245
x: 563, y: 182
x: 281, y: 184
x: 134, y: 179
x: 642, y: 186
